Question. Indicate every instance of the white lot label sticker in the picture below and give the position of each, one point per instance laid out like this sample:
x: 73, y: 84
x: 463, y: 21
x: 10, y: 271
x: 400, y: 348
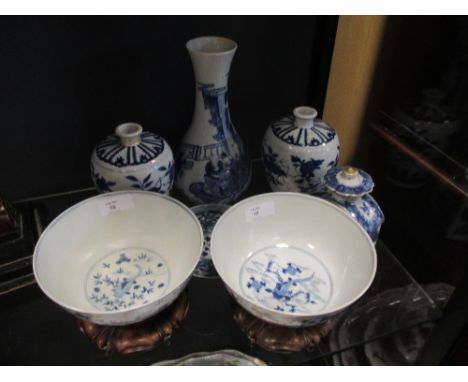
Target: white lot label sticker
x: 260, y: 210
x: 115, y: 203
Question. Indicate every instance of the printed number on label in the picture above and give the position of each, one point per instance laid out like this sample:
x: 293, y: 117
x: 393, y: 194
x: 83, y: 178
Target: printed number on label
x: 114, y: 204
x: 260, y: 210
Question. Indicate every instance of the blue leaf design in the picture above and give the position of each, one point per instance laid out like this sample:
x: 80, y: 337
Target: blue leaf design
x: 147, y: 178
x: 132, y: 178
x: 295, y: 159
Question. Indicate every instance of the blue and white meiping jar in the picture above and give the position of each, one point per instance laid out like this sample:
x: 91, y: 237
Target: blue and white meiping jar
x: 350, y: 187
x: 132, y: 159
x: 298, y: 151
x: 212, y: 164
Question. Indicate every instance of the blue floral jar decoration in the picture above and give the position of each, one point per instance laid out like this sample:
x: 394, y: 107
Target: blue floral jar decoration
x: 350, y: 188
x: 132, y: 159
x: 298, y: 151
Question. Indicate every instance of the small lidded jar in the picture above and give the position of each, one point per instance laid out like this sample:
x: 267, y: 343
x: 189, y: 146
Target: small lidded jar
x: 132, y: 159
x: 350, y: 188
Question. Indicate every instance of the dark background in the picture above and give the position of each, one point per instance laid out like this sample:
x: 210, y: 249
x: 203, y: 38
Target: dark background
x: 67, y: 82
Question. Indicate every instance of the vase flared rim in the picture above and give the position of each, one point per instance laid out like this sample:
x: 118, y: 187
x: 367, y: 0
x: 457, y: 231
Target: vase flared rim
x: 211, y: 45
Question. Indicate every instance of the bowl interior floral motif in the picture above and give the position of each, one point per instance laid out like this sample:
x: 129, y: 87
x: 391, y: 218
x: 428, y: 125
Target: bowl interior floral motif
x: 126, y: 278
x: 296, y: 281
x: 118, y: 258
x: 292, y: 259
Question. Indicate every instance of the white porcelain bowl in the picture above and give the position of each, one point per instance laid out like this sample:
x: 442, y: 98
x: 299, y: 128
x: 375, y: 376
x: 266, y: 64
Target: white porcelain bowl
x: 118, y: 258
x: 292, y: 259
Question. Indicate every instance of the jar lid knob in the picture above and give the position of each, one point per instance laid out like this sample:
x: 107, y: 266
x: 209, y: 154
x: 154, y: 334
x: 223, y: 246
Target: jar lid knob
x: 350, y: 172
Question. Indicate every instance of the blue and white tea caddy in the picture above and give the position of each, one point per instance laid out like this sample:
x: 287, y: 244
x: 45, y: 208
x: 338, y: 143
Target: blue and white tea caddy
x: 349, y: 187
x: 132, y: 159
x: 298, y: 151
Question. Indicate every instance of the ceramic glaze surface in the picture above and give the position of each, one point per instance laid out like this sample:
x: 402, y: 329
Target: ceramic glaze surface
x: 213, y: 166
x: 125, y: 278
x: 298, y: 151
x: 355, y: 183
x: 314, y: 135
x: 112, y: 151
x: 116, y: 259
x: 132, y: 159
x: 301, y: 259
x: 276, y: 278
x: 349, y: 188
x: 367, y: 212
x: 208, y: 215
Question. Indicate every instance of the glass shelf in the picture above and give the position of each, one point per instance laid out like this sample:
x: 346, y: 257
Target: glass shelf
x: 414, y: 156
x: 395, y: 303
x: 422, y: 187
x: 37, y: 331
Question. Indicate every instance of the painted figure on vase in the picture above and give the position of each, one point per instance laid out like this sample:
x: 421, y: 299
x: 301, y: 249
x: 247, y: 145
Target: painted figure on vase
x: 212, y: 163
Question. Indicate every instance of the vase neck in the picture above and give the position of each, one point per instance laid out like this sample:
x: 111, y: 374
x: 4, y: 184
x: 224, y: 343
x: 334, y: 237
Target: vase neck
x: 211, y: 59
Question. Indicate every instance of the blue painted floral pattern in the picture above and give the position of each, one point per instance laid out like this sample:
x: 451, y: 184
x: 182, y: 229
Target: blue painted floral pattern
x: 101, y: 183
x: 161, y: 184
x: 126, y: 278
x: 305, y: 173
x: 277, y: 282
x: 351, y: 191
x: 274, y: 169
x: 367, y: 212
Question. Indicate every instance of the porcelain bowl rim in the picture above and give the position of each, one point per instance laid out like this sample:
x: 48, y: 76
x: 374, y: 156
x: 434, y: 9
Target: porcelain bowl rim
x: 103, y: 313
x: 303, y: 316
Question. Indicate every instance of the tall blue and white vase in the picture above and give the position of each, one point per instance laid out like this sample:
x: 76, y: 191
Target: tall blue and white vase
x: 212, y: 163
x: 350, y: 188
x: 298, y: 151
x: 132, y: 159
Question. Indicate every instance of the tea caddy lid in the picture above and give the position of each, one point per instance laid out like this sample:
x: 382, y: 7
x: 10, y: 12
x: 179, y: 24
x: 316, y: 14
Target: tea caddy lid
x: 349, y: 181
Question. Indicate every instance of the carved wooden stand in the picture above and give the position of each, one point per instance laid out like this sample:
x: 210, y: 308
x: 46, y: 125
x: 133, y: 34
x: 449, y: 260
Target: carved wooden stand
x: 280, y: 338
x: 142, y: 336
